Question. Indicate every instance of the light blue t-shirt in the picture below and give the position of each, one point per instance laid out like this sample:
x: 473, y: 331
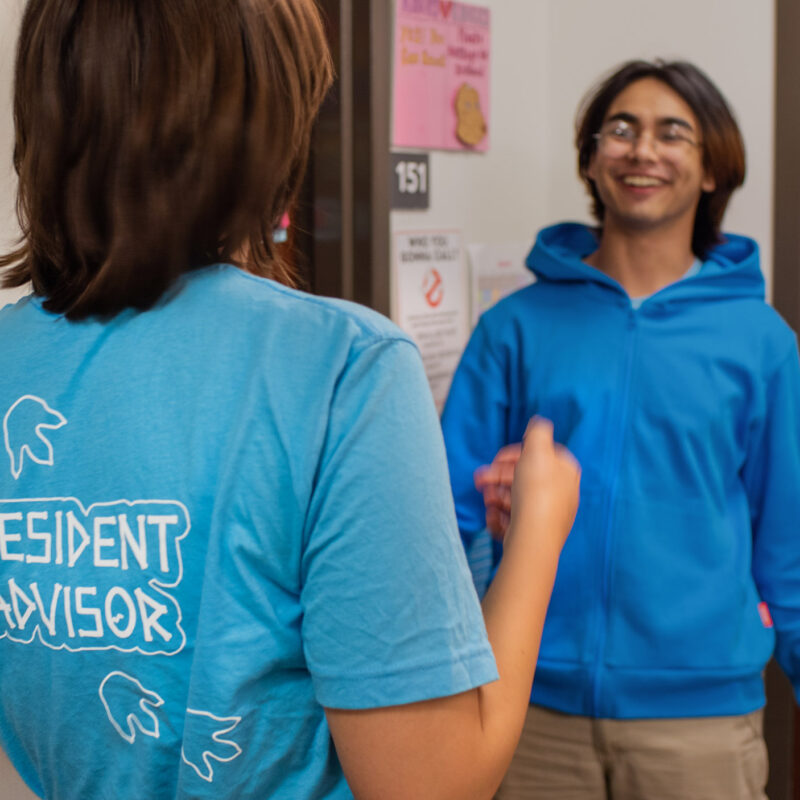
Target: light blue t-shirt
x: 219, y: 516
x: 693, y: 270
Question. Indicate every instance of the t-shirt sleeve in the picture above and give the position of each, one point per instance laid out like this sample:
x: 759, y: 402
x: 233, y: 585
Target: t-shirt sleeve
x: 390, y: 612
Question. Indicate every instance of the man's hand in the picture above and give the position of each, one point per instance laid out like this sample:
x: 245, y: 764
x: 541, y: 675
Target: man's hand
x: 494, y: 481
x: 556, y: 472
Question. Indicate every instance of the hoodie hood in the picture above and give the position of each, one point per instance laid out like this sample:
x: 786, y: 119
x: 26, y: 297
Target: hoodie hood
x: 730, y: 270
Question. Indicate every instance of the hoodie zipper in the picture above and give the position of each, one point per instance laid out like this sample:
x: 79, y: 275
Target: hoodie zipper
x: 618, y: 438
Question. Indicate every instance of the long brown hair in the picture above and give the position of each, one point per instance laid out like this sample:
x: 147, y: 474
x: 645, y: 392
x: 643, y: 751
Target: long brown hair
x: 723, y: 149
x: 157, y: 136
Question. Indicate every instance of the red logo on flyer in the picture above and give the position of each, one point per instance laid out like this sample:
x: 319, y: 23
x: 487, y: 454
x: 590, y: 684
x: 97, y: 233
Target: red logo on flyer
x: 432, y: 288
x: 766, y: 617
x: 445, y: 6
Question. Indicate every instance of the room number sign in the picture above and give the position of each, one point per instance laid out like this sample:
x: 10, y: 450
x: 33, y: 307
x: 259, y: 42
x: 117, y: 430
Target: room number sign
x: 410, y: 180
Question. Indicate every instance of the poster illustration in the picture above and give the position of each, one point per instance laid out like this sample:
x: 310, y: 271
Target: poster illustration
x: 497, y: 270
x: 432, y: 301
x: 441, y: 75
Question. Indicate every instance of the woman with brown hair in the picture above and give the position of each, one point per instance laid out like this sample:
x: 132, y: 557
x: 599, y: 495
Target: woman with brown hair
x: 221, y: 574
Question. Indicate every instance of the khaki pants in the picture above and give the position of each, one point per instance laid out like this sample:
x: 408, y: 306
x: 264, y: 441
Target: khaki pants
x: 565, y: 757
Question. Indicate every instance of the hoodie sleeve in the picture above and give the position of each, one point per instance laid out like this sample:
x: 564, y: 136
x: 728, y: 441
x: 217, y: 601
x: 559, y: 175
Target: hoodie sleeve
x: 772, y: 479
x: 475, y: 426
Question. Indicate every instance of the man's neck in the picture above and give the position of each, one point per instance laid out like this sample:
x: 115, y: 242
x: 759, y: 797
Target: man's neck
x: 643, y: 261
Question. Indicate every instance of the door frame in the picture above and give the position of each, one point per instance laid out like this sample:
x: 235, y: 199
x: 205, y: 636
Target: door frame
x: 782, y: 718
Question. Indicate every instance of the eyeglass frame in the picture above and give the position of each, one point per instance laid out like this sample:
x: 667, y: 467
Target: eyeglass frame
x: 670, y: 124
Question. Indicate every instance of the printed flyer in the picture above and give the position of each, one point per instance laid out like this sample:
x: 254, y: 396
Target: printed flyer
x: 432, y: 301
x: 441, y: 75
x: 497, y: 270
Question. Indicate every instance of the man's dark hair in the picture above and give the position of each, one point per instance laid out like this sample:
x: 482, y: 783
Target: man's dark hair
x: 154, y: 137
x: 723, y: 149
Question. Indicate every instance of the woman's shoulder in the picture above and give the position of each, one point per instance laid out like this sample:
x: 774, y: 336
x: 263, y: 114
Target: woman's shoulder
x: 235, y: 291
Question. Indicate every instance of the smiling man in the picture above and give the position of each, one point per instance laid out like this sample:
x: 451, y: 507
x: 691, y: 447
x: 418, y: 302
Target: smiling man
x: 648, y: 342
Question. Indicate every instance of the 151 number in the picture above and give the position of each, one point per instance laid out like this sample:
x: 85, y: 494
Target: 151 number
x: 412, y: 177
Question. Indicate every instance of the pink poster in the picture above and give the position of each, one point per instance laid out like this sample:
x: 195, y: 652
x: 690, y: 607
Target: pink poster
x: 441, y: 75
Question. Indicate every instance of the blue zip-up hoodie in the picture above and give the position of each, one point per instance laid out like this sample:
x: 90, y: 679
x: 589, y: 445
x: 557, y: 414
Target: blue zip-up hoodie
x: 685, y: 417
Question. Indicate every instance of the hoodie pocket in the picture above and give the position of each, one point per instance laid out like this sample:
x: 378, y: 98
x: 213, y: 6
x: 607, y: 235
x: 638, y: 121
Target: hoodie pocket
x: 682, y: 593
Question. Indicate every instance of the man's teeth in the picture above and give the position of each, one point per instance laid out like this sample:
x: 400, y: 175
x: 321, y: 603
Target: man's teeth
x: 640, y: 180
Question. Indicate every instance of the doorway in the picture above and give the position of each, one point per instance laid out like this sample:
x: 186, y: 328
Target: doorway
x: 782, y: 717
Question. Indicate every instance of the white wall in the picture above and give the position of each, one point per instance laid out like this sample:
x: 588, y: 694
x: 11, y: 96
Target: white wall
x: 11, y: 785
x: 545, y: 55
x: 10, y: 15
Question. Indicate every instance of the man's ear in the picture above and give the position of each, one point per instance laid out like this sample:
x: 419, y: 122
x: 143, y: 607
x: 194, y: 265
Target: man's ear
x: 589, y: 172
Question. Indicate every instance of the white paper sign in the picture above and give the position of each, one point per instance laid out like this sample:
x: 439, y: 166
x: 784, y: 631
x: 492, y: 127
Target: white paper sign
x: 497, y: 270
x: 432, y: 301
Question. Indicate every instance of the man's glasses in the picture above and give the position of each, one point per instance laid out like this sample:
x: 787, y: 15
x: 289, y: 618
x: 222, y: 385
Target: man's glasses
x: 618, y: 138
